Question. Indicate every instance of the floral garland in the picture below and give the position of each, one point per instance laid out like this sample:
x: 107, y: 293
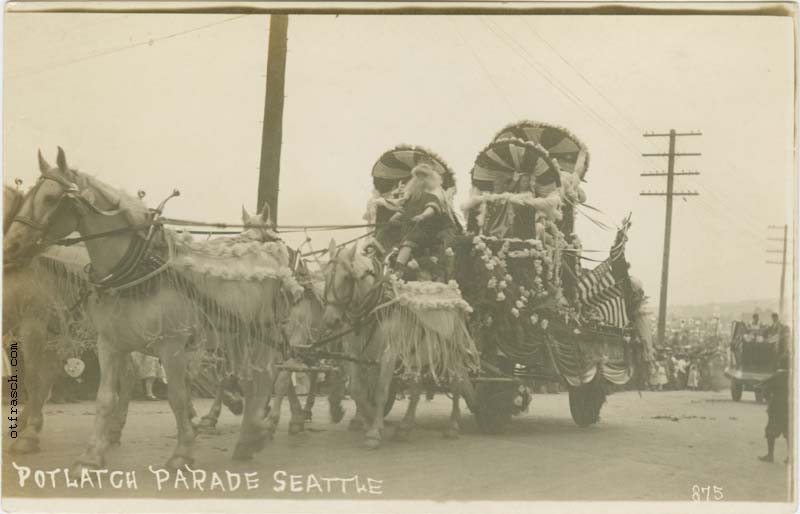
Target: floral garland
x: 429, y: 295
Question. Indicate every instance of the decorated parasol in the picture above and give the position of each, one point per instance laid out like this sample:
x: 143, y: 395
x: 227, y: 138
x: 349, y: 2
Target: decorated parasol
x: 571, y: 153
x: 507, y: 164
x: 394, y: 167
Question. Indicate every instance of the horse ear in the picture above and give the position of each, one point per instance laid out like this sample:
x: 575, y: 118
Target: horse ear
x: 61, y: 160
x: 245, y: 216
x: 44, y: 166
x: 265, y: 213
x: 351, y: 253
x: 332, y: 248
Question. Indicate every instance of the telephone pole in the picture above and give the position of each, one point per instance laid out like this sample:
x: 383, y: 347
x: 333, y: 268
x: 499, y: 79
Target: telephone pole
x: 272, y: 130
x: 669, y: 193
x: 782, y: 262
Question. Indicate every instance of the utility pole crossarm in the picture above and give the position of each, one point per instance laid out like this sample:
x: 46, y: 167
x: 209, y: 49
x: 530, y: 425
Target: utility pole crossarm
x: 685, y: 154
x: 660, y: 174
x: 668, y: 134
x: 673, y: 193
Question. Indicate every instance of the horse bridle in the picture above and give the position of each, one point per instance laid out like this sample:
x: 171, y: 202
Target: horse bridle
x: 345, y: 305
x: 70, y: 192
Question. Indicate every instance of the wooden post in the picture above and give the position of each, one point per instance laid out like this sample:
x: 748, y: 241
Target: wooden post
x: 272, y: 131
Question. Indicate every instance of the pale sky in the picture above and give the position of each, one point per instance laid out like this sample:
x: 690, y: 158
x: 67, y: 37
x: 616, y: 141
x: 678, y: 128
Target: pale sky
x: 155, y: 102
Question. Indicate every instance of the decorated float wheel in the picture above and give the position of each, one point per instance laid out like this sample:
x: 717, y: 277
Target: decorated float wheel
x: 495, y: 405
x: 736, y: 390
x: 586, y: 401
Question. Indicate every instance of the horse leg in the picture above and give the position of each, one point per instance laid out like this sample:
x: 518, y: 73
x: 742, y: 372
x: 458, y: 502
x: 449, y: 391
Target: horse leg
x: 375, y: 432
x: 313, y: 376
x: 282, y: 386
x: 110, y: 361
x: 209, y: 421
x: 298, y: 421
x: 359, y: 393
x: 255, y: 429
x: 335, y: 394
x: 175, y: 361
x: 454, y: 427
x: 41, y: 370
x: 125, y: 385
x: 407, y: 424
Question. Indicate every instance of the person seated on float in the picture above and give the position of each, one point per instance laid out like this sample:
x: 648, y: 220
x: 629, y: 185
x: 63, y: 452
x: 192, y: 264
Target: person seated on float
x: 425, y: 215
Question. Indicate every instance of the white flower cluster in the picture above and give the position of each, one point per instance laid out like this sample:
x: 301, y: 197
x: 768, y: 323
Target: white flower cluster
x: 430, y: 295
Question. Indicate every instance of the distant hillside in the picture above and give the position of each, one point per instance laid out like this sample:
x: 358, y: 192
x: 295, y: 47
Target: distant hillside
x: 725, y: 310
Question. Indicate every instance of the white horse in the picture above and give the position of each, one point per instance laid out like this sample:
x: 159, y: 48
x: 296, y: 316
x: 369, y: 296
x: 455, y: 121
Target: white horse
x: 301, y: 327
x: 160, y: 295
x: 395, y: 336
x: 40, y: 303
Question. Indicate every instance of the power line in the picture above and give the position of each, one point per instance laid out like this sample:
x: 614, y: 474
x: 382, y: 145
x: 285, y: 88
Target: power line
x: 483, y: 67
x: 542, y: 71
x: 104, y: 53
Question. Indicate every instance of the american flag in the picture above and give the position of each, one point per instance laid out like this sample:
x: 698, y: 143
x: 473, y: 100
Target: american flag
x: 603, y: 288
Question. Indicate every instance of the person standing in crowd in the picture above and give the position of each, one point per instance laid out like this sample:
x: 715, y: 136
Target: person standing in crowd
x: 149, y: 370
x: 778, y: 407
x: 662, y: 376
x: 693, y: 381
x: 778, y: 336
x: 754, y: 324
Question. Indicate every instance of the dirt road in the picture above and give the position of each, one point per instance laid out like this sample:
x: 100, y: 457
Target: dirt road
x: 657, y: 446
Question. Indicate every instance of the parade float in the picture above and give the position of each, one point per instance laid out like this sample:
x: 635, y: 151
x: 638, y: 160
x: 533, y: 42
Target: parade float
x: 538, y: 316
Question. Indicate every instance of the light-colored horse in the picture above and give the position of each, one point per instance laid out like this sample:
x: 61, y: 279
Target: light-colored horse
x: 166, y: 320
x: 39, y: 300
x: 351, y: 292
x: 302, y: 326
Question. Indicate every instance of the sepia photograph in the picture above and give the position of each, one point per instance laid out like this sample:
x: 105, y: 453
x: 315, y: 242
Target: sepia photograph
x: 399, y: 257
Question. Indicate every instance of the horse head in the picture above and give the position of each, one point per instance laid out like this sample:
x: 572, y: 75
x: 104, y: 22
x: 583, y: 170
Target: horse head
x: 349, y: 276
x: 257, y: 227
x: 304, y: 320
x: 44, y: 212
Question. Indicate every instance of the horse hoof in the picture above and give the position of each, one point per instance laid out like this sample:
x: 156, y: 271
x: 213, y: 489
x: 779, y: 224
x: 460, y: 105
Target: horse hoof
x: 206, y: 425
x: 243, y: 452
x: 179, y: 462
x: 77, y: 468
x: 372, y: 443
x: 307, y: 414
x: 452, y: 433
x: 234, y: 403
x: 356, y: 425
x: 115, y: 443
x: 337, y: 413
x: 24, y: 446
x: 295, y: 428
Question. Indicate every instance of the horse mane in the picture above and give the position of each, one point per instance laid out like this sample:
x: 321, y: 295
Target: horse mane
x: 134, y: 208
x: 12, y: 201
